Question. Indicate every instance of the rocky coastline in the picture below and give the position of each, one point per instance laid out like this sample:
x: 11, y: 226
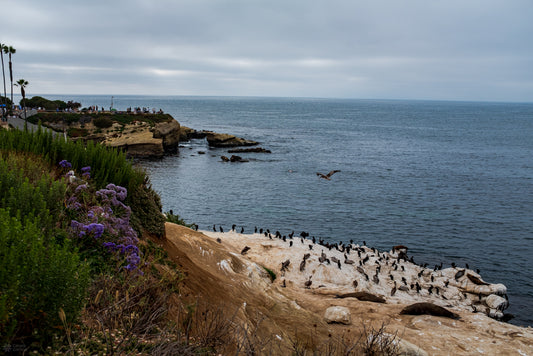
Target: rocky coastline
x: 138, y: 135
x: 294, y: 285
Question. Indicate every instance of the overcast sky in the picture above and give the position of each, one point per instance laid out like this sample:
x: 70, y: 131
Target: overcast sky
x: 388, y: 49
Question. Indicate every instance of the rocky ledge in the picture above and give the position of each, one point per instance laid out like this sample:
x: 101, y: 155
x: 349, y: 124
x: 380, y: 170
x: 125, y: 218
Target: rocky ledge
x: 214, y: 139
x: 288, y: 288
x: 141, y: 140
x: 139, y: 135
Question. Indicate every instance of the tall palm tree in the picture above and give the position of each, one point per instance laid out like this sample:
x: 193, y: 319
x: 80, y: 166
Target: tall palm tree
x: 23, y: 84
x: 2, y: 46
x: 11, y: 51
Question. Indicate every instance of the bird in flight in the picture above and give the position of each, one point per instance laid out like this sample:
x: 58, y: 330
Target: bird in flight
x: 326, y: 176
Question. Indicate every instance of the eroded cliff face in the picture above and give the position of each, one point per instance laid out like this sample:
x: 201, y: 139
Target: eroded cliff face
x: 289, y: 308
x: 139, y: 139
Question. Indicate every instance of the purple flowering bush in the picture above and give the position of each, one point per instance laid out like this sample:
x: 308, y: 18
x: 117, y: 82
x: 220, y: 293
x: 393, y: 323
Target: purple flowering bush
x: 100, y: 220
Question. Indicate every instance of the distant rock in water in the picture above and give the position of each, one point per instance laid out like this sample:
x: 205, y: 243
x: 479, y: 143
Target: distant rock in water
x: 226, y: 140
x: 233, y: 158
x: 215, y: 139
x: 250, y: 150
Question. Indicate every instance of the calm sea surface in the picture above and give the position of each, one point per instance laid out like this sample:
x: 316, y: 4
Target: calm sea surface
x: 451, y: 180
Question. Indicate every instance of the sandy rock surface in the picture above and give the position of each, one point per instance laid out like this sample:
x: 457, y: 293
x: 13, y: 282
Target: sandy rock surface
x: 217, y: 271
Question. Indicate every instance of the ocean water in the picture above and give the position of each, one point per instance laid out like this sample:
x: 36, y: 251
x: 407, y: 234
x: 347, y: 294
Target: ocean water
x: 453, y: 181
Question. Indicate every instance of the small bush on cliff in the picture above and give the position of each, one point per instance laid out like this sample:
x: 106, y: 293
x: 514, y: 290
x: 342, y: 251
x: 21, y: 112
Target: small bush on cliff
x: 103, y: 122
x: 176, y: 219
x: 77, y: 132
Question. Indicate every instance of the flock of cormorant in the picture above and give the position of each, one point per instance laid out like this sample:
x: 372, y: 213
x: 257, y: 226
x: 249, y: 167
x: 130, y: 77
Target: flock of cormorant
x: 384, y: 269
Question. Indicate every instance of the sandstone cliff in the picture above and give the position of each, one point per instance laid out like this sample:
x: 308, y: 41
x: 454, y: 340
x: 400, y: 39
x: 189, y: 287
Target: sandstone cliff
x: 219, y: 273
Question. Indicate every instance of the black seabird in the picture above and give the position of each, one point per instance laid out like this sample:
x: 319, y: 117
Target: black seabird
x: 308, y: 283
x: 302, y: 266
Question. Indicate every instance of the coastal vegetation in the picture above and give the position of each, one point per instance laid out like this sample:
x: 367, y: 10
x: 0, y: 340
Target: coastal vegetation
x: 40, y: 102
x: 62, y: 224
x: 82, y: 117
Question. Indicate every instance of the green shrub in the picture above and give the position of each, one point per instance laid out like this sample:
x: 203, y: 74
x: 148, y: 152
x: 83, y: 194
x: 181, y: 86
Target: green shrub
x: 271, y: 273
x: 103, y: 122
x: 37, y: 277
x: 27, y: 190
x: 77, y: 132
x: 56, y: 117
x: 39, y: 101
x: 175, y: 219
x: 109, y: 165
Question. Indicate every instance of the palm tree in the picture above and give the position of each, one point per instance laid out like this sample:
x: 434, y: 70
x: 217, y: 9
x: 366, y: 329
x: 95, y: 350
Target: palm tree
x: 2, y: 46
x: 11, y: 51
x: 23, y: 84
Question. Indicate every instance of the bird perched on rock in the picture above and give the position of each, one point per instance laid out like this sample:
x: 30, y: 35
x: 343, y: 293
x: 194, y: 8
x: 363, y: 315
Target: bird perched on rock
x: 347, y: 261
x: 302, y: 266
x: 393, y: 290
x: 326, y: 176
x: 322, y: 257
x: 308, y: 283
x: 375, y: 278
x: 285, y: 265
x: 245, y: 250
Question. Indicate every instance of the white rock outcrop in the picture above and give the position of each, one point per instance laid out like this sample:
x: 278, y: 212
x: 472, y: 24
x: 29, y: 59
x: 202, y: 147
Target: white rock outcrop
x: 338, y: 314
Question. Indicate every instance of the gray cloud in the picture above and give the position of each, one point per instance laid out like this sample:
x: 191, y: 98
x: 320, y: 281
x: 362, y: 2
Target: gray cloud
x: 417, y: 49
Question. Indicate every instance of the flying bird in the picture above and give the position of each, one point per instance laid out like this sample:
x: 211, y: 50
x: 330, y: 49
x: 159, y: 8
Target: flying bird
x: 326, y: 176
